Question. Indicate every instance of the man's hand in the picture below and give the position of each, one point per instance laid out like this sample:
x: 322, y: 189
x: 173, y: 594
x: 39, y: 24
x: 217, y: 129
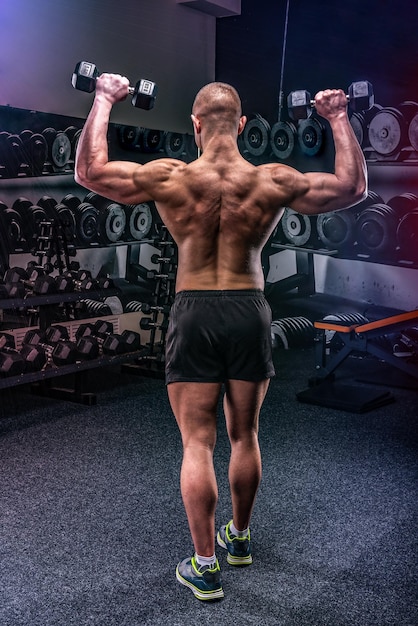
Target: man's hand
x: 331, y: 103
x: 112, y: 87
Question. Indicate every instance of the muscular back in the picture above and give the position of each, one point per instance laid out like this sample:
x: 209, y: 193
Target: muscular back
x: 220, y: 211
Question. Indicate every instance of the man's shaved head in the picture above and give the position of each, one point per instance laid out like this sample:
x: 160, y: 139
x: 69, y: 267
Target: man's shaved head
x: 218, y: 104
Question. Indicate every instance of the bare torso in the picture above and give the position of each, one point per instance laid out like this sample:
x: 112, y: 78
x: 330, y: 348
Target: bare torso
x: 220, y: 211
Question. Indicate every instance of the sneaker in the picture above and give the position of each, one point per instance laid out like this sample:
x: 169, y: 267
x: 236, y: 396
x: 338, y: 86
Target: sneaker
x: 205, y: 582
x: 239, y: 549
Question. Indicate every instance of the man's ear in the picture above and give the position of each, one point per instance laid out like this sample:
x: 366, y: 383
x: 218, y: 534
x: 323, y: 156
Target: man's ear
x: 196, y: 124
x: 241, y: 125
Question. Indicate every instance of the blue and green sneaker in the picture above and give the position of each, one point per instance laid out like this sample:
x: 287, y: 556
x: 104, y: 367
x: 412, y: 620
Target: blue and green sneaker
x: 239, y: 549
x: 205, y: 582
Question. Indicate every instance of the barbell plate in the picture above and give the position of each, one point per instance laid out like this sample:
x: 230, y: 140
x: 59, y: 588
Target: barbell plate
x: 256, y: 136
x: 282, y: 139
x: 310, y: 136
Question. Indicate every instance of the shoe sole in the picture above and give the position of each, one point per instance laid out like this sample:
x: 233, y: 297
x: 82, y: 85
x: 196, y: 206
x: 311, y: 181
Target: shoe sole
x: 231, y: 559
x: 217, y: 594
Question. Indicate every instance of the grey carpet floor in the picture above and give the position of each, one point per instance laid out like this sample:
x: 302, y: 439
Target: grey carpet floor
x: 92, y: 524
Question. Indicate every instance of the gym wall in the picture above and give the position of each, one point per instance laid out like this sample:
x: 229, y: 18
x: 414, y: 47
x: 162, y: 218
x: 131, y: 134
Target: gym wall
x: 166, y: 42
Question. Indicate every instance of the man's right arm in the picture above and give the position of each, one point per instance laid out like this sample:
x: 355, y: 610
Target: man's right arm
x: 320, y: 192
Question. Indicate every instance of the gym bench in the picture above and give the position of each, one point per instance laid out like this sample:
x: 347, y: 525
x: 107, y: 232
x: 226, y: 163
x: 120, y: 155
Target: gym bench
x: 361, y: 338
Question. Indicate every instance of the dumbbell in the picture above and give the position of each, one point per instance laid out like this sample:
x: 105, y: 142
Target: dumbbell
x: 150, y: 308
x: 143, y: 94
x: 147, y: 323
x: 100, y: 337
x: 11, y: 361
x: 360, y: 98
x: 35, y: 278
x: 55, y: 342
x: 30, y: 358
x: 154, y: 275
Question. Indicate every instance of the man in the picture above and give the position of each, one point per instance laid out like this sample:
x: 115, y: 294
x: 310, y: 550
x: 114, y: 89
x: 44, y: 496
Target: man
x: 220, y: 210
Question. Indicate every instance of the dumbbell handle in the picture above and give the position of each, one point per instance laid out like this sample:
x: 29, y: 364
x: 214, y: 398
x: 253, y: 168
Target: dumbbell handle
x: 313, y: 101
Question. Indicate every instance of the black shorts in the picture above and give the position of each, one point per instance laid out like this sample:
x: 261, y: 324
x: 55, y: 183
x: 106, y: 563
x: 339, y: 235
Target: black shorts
x: 215, y: 336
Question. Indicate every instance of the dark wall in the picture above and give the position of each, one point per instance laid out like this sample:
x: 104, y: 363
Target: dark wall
x: 329, y: 44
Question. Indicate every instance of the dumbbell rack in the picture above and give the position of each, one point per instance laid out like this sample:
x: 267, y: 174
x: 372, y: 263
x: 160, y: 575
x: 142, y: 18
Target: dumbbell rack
x: 41, y: 381
x: 152, y: 359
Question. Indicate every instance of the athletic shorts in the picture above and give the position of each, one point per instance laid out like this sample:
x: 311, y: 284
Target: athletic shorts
x: 214, y: 336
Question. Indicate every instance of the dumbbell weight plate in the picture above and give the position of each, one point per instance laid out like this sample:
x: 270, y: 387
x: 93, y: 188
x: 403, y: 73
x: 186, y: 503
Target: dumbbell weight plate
x: 375, y: 228
x: 129, y: 137
x: 336, y: 229
x: 49, y: 205
x: 12, y: 227
x: 11, y: 153
x: 151, y: 140
x: 174, y: 145
x: 407, y: 235
x: 87, y: 223
x: 387, y: 132
x: 403, y: 203
x: 297, y: 228
x: 282, y: 139
x: 256, y: 136
x: 310, y: 136
x: 140, y: 220
x: 66, y: 220
x: 34, y: 151
x: 61, y: 150
x: 112, y: 223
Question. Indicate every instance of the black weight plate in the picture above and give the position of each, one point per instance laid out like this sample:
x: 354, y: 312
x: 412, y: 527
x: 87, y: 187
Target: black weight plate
x: 11, y: 154
x: 403, y: 203
x: 67, y: 222
x: 129, y: 137
x: 35, y: 152
x: 282, y: 139
x: 48, y: 204
x: 256, y: 136
x: 113, y: 222
x: 297, y: 228
x: 358, y: 124
x: 87, y: 223
x: 71, y: 201
x: 387, y: 132
x: 310, y: 136
x: 336, y: 229
x: 140, y: 220
x: 12, y: 227
x: 174, y: 145
x: 61, y: 150
x: 375, y: 228
x: 407, y: 235
x: 413, y: 132
x: 151, y: 140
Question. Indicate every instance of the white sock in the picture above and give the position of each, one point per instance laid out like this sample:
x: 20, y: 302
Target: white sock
x: 206, y: 560
x: 238, y: 533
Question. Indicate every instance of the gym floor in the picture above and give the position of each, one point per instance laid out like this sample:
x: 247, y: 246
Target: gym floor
x: 92, y: 523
